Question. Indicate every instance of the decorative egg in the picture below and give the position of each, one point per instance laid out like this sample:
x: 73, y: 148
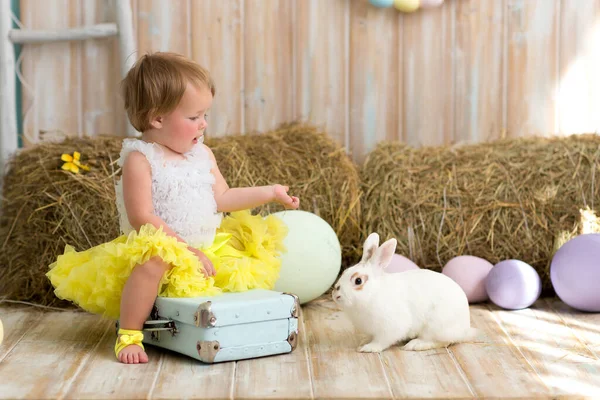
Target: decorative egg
x: 575, y: 272
x: 1, y: 332
x: 382, y: 3
x: 513, y: 285
x: 313, y: 256
x: 470, y: 273
x: 407, y: 5
x: 400, y: 264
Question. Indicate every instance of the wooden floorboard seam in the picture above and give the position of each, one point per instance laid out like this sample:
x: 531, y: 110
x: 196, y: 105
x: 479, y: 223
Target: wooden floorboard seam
x: 233, y: 376
x: 36, y: 322
x: 385, y: 374
x: 84, y: 362
x: 517, y: 348
x: 461, y: 372
x: 161, y: 361
x: 574, y: 331
x: 307, y: 355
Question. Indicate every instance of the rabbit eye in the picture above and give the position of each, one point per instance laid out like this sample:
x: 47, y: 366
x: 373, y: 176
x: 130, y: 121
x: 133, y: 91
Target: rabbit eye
x: 358, y: 281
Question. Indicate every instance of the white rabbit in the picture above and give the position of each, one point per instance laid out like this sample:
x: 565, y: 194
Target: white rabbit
x: 423, y: 306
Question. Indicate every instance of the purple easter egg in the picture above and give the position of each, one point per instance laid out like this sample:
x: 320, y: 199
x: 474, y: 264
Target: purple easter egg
x: 513, y: 285
x: 400, y: 264
x: 575, y: 272
x: 469, y: 272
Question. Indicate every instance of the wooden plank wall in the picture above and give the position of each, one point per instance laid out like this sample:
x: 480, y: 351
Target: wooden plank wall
x: 471, y: 70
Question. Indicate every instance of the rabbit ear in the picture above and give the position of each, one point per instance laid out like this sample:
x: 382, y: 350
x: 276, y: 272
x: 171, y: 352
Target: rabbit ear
x: 383, y: 255
x: 370, y: 247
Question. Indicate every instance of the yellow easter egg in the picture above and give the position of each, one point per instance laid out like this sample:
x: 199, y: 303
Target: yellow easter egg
x: 407, y: 5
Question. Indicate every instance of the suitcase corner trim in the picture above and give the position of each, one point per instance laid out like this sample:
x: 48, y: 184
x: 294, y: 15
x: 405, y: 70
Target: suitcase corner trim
x: 296, y: 308
x: 207, y: 350
x: 293, y: 340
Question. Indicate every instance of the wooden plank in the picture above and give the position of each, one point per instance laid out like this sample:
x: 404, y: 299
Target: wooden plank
x: 268, y: 64
x: 122, y: 126
x: 428, y: 74
x: 186, y: 378
x: 69, y: 326
x: 51, y: 354
x: 41, y: 370
x: 425, y: 374
x: 493, y: 365
x: 285, y: 376
x: 532, y: 67
x: 124, y: 13
x: 322, y: 29
x: 95, y: 31
x: 105, y: 377
x: 164, y: 26
x: 8, y: 104
x: 51, y: 99
x: 338, y: 370
x: 583, y: 324
x: 579, y: 90
x: 100, y: 69
x: 375, y: 77
x: 479, y: 90
x: 561, y: 360
x: 217, y: 44
x: 17, y: 321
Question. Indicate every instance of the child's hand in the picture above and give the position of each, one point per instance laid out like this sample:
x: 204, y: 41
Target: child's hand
x: 209, y: 269
x: 281, y: 196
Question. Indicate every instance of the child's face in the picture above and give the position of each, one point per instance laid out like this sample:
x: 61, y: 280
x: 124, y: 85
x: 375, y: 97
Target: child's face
x: 184, y: 127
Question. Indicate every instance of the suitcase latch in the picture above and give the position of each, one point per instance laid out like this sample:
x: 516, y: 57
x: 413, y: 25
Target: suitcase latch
x: 160, y: 325
x: 204, y: 316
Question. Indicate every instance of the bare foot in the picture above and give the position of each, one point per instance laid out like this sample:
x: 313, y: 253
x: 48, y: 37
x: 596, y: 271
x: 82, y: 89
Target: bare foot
x: 133, y: 354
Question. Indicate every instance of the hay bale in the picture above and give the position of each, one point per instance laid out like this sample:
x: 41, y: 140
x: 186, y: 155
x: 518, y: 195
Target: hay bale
x: 514, y: 198
x: 45, y: 208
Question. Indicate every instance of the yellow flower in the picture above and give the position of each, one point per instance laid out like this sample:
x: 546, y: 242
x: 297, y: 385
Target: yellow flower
x: 72, y: 163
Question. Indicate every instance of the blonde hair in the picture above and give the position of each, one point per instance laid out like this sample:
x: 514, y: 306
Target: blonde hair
x: 156, y: 83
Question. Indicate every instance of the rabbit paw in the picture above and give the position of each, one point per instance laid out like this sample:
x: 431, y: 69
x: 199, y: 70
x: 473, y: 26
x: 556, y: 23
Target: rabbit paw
x: 421, y: 345
x: 371, y: 348
x: 365, y: 340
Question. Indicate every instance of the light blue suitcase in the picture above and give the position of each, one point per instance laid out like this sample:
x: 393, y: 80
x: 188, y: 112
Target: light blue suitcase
x: 227, y: 327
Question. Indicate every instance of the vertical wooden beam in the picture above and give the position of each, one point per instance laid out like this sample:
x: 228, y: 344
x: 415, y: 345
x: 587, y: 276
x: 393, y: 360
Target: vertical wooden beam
x: 218, y: 44
x: 8, y: 116
x: 533, y: 29
x: 127, y: 43
x: 428, y: 41
x: 374, y: 80
x: 579, y: 62
x: 479, y: 70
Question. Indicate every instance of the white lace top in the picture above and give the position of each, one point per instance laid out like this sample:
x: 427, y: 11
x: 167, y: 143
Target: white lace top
x: 182, y: 192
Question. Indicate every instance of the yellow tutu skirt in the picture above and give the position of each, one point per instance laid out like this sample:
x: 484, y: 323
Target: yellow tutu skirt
x: 245, y: 254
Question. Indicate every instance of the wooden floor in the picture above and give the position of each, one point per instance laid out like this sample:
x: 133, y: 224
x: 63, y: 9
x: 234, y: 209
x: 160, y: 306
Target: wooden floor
x: 546, y: 351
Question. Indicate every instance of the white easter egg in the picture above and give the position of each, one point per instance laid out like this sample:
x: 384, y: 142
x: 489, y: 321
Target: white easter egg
x: 470, y: 273
x: 313, y: 258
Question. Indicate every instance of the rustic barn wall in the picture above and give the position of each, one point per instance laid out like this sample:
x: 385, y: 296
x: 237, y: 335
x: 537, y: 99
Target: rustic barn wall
x: 471, y: 70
